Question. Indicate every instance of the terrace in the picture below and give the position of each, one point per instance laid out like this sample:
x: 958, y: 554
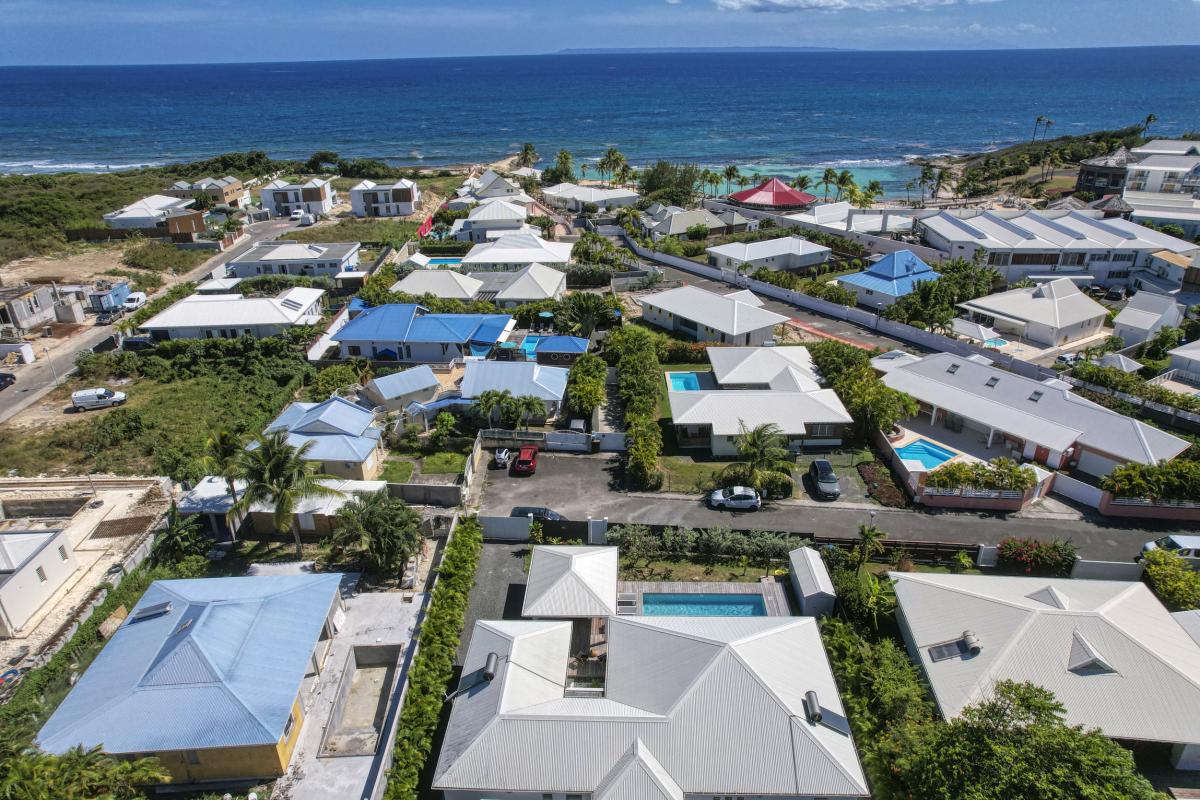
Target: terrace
x: 774, y: 601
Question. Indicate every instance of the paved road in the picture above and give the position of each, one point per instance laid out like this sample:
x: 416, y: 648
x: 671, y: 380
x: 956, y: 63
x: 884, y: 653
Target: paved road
x: 37, y: 379
x: 582, y: 486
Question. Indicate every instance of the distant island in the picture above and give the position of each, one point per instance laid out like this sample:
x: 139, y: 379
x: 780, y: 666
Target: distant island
x: 591, y: 51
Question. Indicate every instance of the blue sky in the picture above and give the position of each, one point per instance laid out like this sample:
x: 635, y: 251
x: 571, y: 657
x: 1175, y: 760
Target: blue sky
x: 166, y: 31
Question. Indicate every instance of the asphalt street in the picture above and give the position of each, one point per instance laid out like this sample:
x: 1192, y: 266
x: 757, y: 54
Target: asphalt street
x: 36, y: 379
x: 582, y: 486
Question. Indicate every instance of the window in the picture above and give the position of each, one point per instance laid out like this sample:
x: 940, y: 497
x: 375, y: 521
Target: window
x: 354, y: 350
x: 291, y: 723
x: 41, y: 573
x: 62, y: 552
x: 818, y: 429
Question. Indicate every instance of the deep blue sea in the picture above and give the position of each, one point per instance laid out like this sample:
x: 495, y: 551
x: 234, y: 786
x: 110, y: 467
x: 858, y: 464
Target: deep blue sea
x: 775, y: 113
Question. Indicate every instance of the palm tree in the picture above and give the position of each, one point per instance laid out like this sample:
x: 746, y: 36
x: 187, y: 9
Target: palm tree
x: 1037, y: 123
x: 1047, y: 122
x: 756, y: 179
x: 877, y: 596
x: 279, y: 475
x: 1150, y: 120
x: 875, y: 189
x: 925, y: 179
x: 828, y: 178
x: 801, y: 183
x: 492, y: 402
x: 611, y: 161
x: 31, y: 773
x: 764, y: 461
x: 564, y: 165
x: 382, y: 531
x: 179, y: 539
x: 583, y: 312
x: 940, y: 179
x: 908, y: 187
x: 528, y: 407
x: 731, y: 173
x: 583, y: 171
x: 712, y: 180
x: 223, y: 458
x: 845, y: 180
x: 528, y: 155
x: 870, y: 544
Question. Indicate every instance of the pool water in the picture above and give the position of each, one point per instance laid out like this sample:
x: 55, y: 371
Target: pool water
x: 684, y: 381
x: 444, y: 262
x: 529, y: 346
x: 703, y: 605
x: 997, y: 343
x: 926, y: 452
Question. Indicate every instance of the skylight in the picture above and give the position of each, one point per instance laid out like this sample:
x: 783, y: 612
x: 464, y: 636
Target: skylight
x: 953, y: 368
x: 992, y: 381
x: 1037, y: 395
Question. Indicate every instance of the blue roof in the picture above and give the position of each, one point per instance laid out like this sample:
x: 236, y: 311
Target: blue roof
x: 895, y: 274
x: 562, y: 344
x: 408, y: 322
x: 338, y: 430
x: 401, y: 383
x: 221, y: 668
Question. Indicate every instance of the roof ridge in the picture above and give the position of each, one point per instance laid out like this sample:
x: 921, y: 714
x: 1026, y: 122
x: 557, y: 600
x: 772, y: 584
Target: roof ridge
x: 1154, y: 656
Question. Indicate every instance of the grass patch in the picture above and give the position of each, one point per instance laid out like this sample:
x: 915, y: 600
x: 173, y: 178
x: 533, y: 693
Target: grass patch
x: 688, y: 474
x: 444, y: 463
x: 397, y: 470
x: 669, y: 570
x: 444, y: 185
x: 159, y: 257
x: 387, y: 231
x: 142, y: 281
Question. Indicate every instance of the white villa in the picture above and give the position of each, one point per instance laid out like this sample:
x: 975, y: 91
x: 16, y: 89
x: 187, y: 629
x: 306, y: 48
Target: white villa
x: 228, y: 316
x: 515, y: 251
x: 734, y: 318
x: 1185, y: 359
x: 506, y: 289
x: 315, y: 196
x: 149, y: 212
x: 1146, y: 314
x: 1051, y: 314
x: 787, y: 253
x: 491, y: 220
x: 34, y: 564
x: 843, y: 216
x: 296, y: 258
x: 574, y: 197
x: 1109, y: 651
x: 398, y: 199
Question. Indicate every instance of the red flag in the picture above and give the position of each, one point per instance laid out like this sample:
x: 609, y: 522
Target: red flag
x: 426, y: 227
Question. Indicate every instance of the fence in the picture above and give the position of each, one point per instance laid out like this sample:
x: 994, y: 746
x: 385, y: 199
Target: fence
x: 1107, y: 570
x: 516, y: 529
x: 447, y: 495
x: 1077, y: 490
x: 509, y: 529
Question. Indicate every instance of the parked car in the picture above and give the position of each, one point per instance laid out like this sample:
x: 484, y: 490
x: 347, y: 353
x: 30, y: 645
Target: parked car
x: 502, y: 458
x: 1115, y: 293
x: 1068, y: 358
x: 1186, y: 547
x: 1097, y: 291
x: 134, y: 301
x: 86, y: 399
x: 306, y: 220
x: 7, y: 379
x: 110, y: 316
x: 136, y: 343
x: 296, y: 215
x: 526, y: 462
x: 824, y: 480
x: 537, y: 512
x: 736, y: 497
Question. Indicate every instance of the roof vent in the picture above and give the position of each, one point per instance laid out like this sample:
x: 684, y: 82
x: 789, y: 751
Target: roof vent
x: 971, y: 642
x: 812, y: 707
x: 1085, y: 658
x: 953, y: 368
x: 1037, y: 395
x: 150, y: 612
x: 992, y: 381
x: 489, y: 666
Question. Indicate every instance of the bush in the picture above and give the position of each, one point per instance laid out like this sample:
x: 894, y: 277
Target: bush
x: 999, y: 473
x: 433, y: 666
x: 1034, y: 557
x: 585, y: 383
x: 1173, y: 580
x: 882, y: 486
x: 160, y: 257
x: 160, y: 303
x: 272, y: 285
x: 639, y: 376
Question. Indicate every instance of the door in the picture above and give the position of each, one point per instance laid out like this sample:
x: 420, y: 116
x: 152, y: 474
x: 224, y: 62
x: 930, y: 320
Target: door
x: 307, y: 522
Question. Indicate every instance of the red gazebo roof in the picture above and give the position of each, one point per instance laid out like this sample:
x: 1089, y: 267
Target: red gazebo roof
x: 775, y: 194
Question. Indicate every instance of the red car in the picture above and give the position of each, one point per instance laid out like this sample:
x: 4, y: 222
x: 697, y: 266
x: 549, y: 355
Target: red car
x: 526, y: 462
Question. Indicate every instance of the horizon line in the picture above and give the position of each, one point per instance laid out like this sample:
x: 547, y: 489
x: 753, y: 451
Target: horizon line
x: 814, y: 50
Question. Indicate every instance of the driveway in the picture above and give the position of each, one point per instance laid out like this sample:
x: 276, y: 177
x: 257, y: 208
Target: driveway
x: 499, y: 590
x: 581, y: 486
x: 36, y: 379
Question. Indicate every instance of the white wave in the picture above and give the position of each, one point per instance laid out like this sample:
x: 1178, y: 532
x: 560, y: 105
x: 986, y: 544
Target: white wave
x: 862, y: 162
x: 59, y: 166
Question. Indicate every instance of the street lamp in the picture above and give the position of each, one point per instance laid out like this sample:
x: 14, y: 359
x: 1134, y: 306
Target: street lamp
x: 53, y: 371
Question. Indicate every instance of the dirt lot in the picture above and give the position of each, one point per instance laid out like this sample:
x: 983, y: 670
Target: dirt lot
x: 55, y: 409
x: 77, y: 267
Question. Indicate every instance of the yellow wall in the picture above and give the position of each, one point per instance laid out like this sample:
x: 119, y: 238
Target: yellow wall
x: 263, y: 761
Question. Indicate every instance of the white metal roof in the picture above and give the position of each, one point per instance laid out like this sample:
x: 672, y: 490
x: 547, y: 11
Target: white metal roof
x: 1057, y: 304
x: 1109, y: 650
x: 768, y: 248
x: 439, y: 283
x: 519, y: 248
x: 716, y: 703
x: 297, y: 251
x: 217, y: 310
x: 728, y: 410
x: 725, y: 314
x: 1167, y: 146
x: 588, y: 194
x: 1191, y: 351
x: 1048, y: 414
x: 529, y: 284
x: 156, y: 205
x: 1147, y: 309
x: 571, y: 581
x: 1162, y: 162
x: 498, y: 209
x: 1040, y: 230
x: 763, y: 365
x: 810, y: 571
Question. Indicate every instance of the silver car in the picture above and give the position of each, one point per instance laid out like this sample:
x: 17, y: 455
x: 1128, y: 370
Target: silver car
x: 1186, y: 547
x: 736, y: 497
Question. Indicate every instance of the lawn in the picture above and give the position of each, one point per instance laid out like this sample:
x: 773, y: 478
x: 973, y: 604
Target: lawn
x: 668, y: 570
x: 389, y: 231
x: 397, y: 470
x: 443, y: 463
x: 443, y: 186
x: 683, y: 473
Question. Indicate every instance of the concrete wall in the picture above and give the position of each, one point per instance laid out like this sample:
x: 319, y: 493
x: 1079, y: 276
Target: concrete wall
x: 1107, y: 570
x: 1078, y: 491
x: 265, y: 761
x: 25, y: 591
x: 510, y: 529
x: 1189, y: 512
x: 427, y: 494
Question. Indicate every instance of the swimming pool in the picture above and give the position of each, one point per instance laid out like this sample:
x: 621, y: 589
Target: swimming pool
x: 444, y: 262
x: 684, y: 381
x: 926, y: 452
x: 703, y: 605
x: 997, y: 342
x: 529, y: 346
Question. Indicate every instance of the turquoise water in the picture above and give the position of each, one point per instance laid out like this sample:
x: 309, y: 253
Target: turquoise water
x: 996, y: 342
x: 684, y: 381
x: 929, y: 454
x: 529, y: 346
x: 703, y: 605
x: 444, y: 262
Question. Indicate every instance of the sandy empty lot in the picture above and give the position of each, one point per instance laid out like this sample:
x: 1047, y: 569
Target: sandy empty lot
x: 77, y: 267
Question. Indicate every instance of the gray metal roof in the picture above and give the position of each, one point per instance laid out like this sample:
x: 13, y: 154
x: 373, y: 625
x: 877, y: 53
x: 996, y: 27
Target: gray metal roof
x: 1058, y: 304
x: 713, y: 705
x: 571, y: 581
x: 1109, y: 650
x: 1147, y: 309
x: 221, y: 668
x: 728, y: 410
x: 719, y: 312
x: 762, y: 365
x: 518, y: 377
x: 405, y: 381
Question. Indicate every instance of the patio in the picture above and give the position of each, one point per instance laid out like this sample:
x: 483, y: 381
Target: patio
x: 968, y: 443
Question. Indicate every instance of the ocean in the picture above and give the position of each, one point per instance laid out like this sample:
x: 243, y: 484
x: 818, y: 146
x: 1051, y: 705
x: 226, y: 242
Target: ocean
x: 773, y: 113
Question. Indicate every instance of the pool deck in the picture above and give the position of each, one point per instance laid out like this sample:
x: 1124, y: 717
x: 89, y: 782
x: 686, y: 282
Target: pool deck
x: 773, y: 594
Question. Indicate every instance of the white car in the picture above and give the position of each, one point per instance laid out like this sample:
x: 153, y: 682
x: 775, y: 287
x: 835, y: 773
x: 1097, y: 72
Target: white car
x: 1186, y: 547
x: 296, y: 215
x: 86, y: 399
x: 736, y: 497
x: 134, y: 301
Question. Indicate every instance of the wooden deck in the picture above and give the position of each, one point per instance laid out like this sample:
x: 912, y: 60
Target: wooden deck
x: 773, y: 593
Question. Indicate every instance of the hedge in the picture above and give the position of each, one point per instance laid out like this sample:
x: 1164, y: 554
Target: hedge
x: 433, y: 667
x: 168, y: 298
x: 639, y: 376
x: 1034, y: 557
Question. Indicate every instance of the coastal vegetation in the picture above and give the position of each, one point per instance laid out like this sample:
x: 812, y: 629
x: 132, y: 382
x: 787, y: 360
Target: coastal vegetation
x: 820, y: 288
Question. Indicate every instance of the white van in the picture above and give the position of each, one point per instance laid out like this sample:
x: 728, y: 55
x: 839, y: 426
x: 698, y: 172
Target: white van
x: 135, y: 301
x: 1186, y: 547
x: 86, y: 399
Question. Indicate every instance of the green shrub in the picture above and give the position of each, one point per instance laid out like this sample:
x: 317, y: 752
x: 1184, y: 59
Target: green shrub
x: 1173, y: 580
x: 160, y: 303
x: 160, y: 257
x: 999, y: 473
x: 585, y: 383
x: 429, y: 676
x: 639, y: 377
x: 1034, y: 557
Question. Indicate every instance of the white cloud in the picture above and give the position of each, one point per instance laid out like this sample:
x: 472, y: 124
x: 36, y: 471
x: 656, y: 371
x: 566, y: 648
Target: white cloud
x: 677, y: 2
x: 838, y: 5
